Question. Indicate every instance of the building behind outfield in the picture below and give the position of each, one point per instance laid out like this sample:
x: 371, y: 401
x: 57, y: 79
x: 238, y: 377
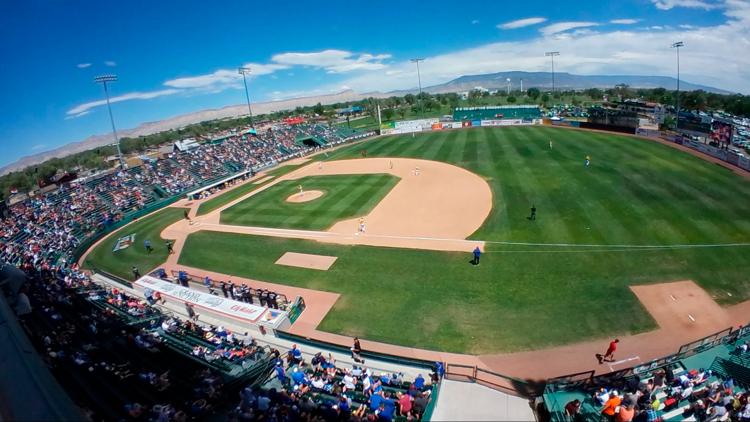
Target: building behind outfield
x: 523, y: 112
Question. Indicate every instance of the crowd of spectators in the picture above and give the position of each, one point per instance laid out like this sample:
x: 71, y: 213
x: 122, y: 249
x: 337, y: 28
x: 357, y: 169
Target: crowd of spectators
x: 229, y: 289
x: 45, y: 229
x: 320, y: 390
x: 111, y: 351
x: 697, y: 394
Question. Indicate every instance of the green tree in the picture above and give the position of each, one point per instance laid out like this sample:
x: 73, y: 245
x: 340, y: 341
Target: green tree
x: 387, y: 114
x: 533, y: 93
x: 318, y: 109
x: 511, y: 99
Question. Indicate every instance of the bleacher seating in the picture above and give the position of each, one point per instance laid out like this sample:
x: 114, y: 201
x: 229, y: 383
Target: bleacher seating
x: 698, y: 384
x: 46, y: 229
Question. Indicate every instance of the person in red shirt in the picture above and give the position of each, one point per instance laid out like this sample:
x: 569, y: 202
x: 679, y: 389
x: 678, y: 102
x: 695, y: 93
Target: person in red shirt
x: 610, y: 353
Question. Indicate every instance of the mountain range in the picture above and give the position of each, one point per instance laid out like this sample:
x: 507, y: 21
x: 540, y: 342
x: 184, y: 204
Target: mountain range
x: 541, y: 80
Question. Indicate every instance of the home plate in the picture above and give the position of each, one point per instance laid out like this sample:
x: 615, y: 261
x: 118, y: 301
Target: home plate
x: 303, y: 260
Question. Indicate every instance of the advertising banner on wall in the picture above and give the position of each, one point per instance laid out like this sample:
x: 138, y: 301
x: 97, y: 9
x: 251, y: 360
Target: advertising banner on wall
x: 721, y: 132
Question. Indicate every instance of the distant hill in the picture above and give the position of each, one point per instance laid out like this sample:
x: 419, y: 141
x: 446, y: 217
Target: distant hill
x: 177, y: 122
x: 542, y: 80
x: 564, y: 81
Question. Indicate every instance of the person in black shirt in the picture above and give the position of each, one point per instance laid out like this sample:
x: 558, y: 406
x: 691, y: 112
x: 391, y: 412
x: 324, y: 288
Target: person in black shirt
x: 533, y: 213
x: 224, y: 289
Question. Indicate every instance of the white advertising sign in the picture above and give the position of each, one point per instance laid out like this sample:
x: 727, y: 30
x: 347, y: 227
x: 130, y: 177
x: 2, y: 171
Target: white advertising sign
x: 228, y: 307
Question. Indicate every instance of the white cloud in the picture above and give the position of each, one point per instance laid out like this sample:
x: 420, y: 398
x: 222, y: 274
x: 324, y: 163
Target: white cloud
x: 77, y: 115
x: 333, y: 61
x: 686, y: 26
x: 83, y: 109
x: 624, y: 21
x: 475, y: 21
x: 222, y: 78
x: 559, y: 27
x: 622, y: 51
x: 38, y: 147
x: 110, y: 63
x: 520, y: 23
x: 694, y: 4
x: 83, y: 65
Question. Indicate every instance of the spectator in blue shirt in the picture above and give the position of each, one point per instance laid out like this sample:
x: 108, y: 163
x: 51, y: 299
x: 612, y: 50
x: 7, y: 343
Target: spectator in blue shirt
x: 375, y: 401
x: 298, y: 376
x: 280, y: 373
x: 419, y: 382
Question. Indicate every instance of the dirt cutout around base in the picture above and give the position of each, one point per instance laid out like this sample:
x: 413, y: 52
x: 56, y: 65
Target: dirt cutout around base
x: 305, y: 196
x: 303, y: 260
x: 682, y: 306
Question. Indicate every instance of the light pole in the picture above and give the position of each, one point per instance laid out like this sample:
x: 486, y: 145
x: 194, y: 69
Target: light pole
x: 419, y: 80
x: 551, y: 55
x: 103, y: 79
x: 522, y: 87
x: 508, y: 81
x: 246, y: 71
x: 677, y: 46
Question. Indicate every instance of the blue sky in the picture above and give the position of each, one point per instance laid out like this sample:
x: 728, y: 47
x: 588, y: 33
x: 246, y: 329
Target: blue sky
x: 181, y: 56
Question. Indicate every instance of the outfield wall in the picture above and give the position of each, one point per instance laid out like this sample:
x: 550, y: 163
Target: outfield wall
x: 433, y: 124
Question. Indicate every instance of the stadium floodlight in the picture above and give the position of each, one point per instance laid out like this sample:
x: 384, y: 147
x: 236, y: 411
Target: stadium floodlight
x: 551, y: 55
x: 677, y: 46
x: 246, y: 71
x: 419, y: 81
x: 103, y: 79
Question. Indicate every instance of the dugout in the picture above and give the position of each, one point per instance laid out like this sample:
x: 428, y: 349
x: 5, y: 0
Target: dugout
x: 309, y: 141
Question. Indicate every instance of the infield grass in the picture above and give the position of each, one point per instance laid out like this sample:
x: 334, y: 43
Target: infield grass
x: 636, y: 192
x: 345, y: 196
x: 224, y: 198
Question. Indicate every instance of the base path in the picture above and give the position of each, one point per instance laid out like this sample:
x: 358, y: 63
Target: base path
x: 434, y: 206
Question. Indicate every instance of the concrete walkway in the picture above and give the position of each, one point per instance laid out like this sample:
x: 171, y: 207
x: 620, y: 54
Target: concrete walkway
x: 464, y: 401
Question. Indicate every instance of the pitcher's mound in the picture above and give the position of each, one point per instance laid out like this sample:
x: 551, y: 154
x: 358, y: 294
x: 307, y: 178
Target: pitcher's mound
x: 306, y: 196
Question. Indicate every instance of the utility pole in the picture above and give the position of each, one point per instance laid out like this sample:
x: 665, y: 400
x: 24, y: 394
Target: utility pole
x: 103, y: 79
x: 419, y: 81
x: 677, y: 46
x: 551, y: 55
x: 246, y: 71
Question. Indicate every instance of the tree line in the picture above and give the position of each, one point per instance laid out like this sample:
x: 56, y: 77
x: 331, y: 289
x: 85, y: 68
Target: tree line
x: 394, y: 107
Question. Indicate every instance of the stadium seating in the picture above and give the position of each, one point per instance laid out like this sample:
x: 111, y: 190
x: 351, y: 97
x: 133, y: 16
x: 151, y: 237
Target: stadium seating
x: 695, y: 385
x: 46, y: 230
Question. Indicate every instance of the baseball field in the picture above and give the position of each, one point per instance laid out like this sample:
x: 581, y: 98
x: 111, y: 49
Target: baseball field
x: 640, y: 213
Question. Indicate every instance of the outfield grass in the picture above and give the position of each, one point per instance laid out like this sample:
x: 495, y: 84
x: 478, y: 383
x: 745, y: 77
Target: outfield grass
x: 344, y: 197
x: 120, y: 263
x: 636, y: 192
x: 224, y: 198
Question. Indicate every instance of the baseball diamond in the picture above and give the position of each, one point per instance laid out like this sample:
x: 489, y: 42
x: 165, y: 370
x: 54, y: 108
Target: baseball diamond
x: 638, y: 214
